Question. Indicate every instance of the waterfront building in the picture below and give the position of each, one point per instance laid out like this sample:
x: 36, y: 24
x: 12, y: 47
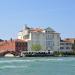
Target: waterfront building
x: 47, y: 38
x: 65, y: 46
x: 13, y: 46
x: 71, y: 40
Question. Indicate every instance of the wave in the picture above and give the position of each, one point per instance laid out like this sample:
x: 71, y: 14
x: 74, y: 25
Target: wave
x: 13, y: 61
x: 36, y: 60
x: 12, y: 66
x: 33, y: 60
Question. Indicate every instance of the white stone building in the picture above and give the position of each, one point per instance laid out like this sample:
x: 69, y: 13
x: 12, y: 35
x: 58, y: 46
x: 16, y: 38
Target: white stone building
x: 47, y: 38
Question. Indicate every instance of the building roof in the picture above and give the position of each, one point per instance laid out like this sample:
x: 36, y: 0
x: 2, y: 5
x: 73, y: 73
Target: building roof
x: 69, y: 38
x: 72, y: 40
x: 50, y: 29
x: 15, y: 40
x: 37, y: 30
x: 64, y: 41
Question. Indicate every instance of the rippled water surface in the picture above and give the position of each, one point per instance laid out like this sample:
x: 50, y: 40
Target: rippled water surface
x: 37, y: 66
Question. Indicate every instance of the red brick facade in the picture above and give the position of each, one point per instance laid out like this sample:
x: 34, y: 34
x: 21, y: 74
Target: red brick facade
x: 13, y: 45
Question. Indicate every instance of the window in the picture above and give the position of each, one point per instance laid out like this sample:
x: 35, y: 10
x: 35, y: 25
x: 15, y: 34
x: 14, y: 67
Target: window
x: 50, y: 36
x: 61, y: 43
x: 49, y: 43
x: 61, y: 47
x: 67, y: 47
x: 47, y: 32
x: 57, y: 35
x: 68, y: 43
x: 26, y: 36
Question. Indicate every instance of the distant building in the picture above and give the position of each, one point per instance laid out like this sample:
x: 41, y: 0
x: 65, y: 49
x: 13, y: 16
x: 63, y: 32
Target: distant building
x: 13, y: 46
x: 65, y: 46
x: 71, y: 40
x: 47, y: 38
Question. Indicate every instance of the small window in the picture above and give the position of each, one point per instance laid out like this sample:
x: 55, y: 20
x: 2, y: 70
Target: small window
x: 67, y: 47
x: 61, y: 43
x: 67, y: 43
x: 61, y: 47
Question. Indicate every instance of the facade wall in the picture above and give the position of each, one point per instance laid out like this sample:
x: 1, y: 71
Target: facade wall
x: 52, y: 40
x: 47, y: 38
x: 14, y: 45
x: 37, y: 38
x: 65, y: 46
x: 20, y: 35
x: 21, y: 46
x: 23, y: 34
x: 6, y: 46
x: 57, y: 42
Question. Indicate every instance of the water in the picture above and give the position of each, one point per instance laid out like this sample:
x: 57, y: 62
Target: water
x: 37, y: 66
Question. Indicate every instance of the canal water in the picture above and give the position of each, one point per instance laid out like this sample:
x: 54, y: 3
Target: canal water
x: 37, y: 66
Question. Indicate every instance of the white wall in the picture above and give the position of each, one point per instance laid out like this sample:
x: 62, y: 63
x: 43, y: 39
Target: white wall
x: 37, y: 38
x: 65, y: 46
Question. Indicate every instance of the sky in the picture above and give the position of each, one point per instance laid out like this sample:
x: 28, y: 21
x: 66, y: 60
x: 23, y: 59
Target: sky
x: 57, y: 14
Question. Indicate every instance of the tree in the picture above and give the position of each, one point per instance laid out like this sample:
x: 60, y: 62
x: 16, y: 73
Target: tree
x: 36, y: 47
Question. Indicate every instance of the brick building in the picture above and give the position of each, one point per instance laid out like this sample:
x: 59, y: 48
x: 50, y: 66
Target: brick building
x: 15, y: 46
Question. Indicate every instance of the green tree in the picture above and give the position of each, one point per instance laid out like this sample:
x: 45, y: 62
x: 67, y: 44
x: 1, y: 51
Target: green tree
x: 36, y: 47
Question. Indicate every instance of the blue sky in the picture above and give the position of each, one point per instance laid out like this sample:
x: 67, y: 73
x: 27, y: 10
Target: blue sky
x: 58, y: 14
